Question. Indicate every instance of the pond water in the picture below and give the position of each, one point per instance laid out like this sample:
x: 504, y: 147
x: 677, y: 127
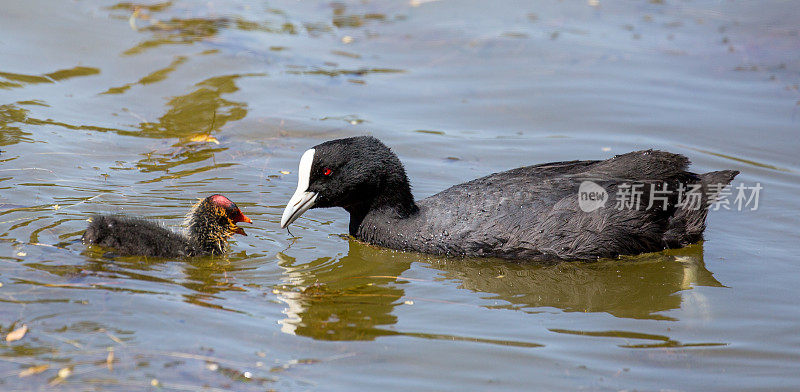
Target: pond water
x: 143, y: 108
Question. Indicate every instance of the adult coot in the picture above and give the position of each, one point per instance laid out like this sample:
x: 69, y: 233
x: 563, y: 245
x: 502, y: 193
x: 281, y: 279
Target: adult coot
x: 532, y: 212
x: 209, y: 224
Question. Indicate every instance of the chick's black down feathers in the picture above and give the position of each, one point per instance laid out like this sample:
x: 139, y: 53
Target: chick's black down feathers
x: 135, y: 236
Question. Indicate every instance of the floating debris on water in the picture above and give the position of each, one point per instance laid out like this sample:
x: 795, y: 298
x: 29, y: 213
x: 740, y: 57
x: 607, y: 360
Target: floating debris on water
x: 17, y: 334
x: 205, y: 139
x: 63, y: 373
x: 33, y: 370
x: 110, y: 359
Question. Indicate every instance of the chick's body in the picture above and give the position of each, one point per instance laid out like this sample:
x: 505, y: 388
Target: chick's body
x: 209, y: 225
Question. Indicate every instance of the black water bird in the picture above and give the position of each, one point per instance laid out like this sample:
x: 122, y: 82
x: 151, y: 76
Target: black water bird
x: 530, y: 213
x: 209, y: 224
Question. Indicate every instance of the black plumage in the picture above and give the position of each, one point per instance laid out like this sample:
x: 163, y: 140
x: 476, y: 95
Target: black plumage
x: 529, y: 213
x: 209, y: 224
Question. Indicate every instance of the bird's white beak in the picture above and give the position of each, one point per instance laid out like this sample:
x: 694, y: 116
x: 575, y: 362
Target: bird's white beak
x: 300, y: 203
x: 302, y: 200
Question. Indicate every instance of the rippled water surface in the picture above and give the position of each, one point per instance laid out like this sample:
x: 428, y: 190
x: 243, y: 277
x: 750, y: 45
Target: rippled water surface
x: 142, y: 108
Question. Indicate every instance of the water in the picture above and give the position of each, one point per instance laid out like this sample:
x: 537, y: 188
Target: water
x: 107, y: 109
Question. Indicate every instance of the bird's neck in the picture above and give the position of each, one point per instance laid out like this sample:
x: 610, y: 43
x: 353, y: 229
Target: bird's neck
x: 394, y: 199
x: 207, y: 240
x: 206, y: 235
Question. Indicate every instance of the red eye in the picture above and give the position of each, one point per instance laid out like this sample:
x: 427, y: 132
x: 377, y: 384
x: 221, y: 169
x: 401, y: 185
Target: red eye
x: 326, y: 171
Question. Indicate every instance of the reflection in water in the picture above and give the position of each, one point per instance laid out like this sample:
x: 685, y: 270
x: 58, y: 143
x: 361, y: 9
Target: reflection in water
x: 157, y: 161
x: 189, y: 117
x: 339, y: 72
x: 202, y: 109
x: 93, y: 318
x: 14, y: 80
x: 208, y: 276
x: 204, y: 276
x: 9, y: 134
x: 636, y: 287
x: 153, y: 77
x: 343, y: 19
x: 167, y: 24
x: 175, y: 30
x: 352, y: 298
x: 179, y: 32
x: 660, y: 341
x: 11, y: 114
x: 192, y: 117
x: 342, y: 299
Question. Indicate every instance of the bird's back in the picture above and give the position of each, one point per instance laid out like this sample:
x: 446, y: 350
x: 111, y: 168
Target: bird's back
x: 134, y: 236
x: 533, y: 212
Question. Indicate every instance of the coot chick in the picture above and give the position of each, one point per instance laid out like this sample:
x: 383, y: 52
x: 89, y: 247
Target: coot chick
x: 530, y: 213
x: 209, y: 224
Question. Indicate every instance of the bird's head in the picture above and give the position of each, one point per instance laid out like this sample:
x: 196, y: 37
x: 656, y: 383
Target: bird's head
x: 357, y: 174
